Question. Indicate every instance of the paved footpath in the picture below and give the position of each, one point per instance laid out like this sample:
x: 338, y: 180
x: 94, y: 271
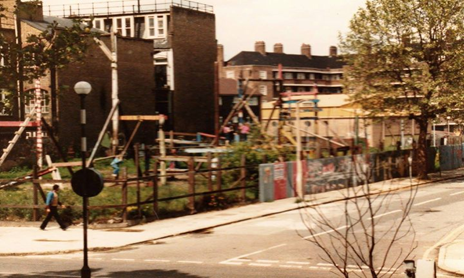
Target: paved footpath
x: 28, y: 239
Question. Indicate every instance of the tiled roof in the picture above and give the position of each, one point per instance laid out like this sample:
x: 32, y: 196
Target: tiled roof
x: 287, y: 60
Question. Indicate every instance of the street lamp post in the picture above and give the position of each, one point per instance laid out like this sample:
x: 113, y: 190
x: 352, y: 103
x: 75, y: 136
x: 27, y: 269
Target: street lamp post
x: 83, y: 88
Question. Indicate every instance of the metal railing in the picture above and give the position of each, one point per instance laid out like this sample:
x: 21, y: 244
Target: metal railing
x: 122, y: 7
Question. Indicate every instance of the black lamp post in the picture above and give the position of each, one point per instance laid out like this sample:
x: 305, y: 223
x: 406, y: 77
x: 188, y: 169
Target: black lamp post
x: 83, y: 88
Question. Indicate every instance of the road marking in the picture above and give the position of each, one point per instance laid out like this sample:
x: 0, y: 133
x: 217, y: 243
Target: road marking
x: 387, y: 213
x: 243, y: 260
x: 231, y: 263
x: 267, y: 261
x: 290, y: 266
x: 299, y: 263
x: 457, y: 193
x: 256, y: 264
x: 190, y: 262
x: 125, y: 260
x: 254, y: 253
x: 326, y: 232
x: 426, y: 202
x: 324, y: 264
x: 157, y: 261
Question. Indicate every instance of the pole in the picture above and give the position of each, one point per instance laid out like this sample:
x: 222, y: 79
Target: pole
x: 38, y: 112
x: 85, y: 271
x: 114, y: 92
x: 299, y: 167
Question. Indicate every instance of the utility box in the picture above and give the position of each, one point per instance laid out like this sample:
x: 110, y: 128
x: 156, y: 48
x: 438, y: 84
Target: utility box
x: 426, y: 269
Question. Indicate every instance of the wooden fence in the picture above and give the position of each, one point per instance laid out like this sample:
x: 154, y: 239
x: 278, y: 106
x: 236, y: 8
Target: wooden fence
x: 214, y: 186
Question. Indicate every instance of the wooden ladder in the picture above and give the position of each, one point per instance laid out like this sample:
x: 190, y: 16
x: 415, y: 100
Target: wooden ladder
x: 15, y: 139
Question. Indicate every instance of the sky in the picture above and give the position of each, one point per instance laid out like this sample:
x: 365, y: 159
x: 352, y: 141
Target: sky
x: 240, y: 23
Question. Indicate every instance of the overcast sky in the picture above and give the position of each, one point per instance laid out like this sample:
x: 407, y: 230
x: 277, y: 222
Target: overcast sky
x: 240, y: 23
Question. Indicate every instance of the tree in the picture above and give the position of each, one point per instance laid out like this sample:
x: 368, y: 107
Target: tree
x: 361, y: 243
x: 405, y: 58
x: 42, y: 53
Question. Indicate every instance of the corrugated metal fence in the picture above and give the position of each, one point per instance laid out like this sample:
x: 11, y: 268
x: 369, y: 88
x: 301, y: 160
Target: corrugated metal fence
x: 277, y: 180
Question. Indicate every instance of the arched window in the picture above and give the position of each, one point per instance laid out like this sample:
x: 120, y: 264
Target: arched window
x: 30, y: 101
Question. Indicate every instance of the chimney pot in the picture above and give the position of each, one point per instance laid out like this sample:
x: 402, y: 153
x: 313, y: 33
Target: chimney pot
x: 306, y: 50
x: 260, y: 47
x: 333, y: 51
x: 278, y: 48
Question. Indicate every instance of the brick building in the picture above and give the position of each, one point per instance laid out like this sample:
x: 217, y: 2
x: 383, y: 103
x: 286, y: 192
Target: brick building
x: 184, y: 48
x: 136, y: 84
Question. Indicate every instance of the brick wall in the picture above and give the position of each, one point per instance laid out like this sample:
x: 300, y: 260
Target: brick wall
x: 194, y: 45
x: 135, y: 70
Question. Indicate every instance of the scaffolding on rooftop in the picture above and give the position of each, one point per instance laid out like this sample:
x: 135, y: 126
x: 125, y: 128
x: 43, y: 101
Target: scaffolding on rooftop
x: 122, y: 7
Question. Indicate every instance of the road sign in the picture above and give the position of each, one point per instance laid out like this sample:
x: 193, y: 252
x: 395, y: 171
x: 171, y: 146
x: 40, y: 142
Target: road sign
x: 87, y: 182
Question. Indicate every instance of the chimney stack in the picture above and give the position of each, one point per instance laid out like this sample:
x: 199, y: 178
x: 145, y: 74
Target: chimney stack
x: 333, y: 51
x: 260, y: 47
x: 278, y: 48
x: 306, y: 50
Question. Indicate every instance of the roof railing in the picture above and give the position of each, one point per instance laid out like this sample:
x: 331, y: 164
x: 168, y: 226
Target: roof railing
x: 122, y: 7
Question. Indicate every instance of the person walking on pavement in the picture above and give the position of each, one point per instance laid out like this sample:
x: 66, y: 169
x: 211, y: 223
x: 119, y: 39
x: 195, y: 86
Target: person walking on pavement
x: 52, y: 208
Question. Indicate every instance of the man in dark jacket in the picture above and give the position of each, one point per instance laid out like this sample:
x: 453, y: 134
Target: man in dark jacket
x: 52, y: 208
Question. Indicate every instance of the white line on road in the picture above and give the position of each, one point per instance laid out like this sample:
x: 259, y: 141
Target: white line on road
x: 125, y: 260
x: 256, y: 264
x: 290, y: 266
x: 157, y: 261
x: 190, y: 262
x: 299, y: 263
x: 387, y: 213
x: 231, y: 263
x: 324, y: 264
x: 326, y: 232
x: 426, y: 202
x: 254, y: 253
x: 267, y: 261
x: 457, y: 193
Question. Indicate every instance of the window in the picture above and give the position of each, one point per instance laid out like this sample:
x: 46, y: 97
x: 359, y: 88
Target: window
x: 311, y: 76
x: 288, y: 75
x: 30, y: 101
x: 119, y: 25
x: 124, y: 26
x: 160, y: 23
x: 151, y: 26
x: 263, y: 74
x: 127, y: 26
x: 230, y: 74
x: 301, y: 76
x: 263, y: 90
x: 325, y: 77
x: 98, y: 24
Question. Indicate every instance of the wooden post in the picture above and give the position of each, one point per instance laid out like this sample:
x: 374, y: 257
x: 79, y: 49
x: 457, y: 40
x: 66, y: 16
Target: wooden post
x: 162, y: 146
x: 137, y: 167
x: 243, y: 176
x: 35, y: 211
x: 210, y: 172
x: 155, y: 186
x: 124, y: 194
x: 219, y: 175
x: 191, y: 182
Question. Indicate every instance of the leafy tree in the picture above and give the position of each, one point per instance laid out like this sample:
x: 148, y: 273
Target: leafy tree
x: 42, y: 53
x: 405, y: 58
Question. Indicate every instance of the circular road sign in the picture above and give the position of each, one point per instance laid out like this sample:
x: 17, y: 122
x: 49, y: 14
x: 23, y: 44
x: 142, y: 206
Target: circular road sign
x: 87, y: 182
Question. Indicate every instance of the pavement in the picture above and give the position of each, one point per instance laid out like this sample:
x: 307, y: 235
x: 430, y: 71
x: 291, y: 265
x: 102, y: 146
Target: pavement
x: 27, y: 239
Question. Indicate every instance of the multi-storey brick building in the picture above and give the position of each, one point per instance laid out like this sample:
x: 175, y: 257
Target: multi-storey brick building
x: 136, y: 83
x: 184, y: 48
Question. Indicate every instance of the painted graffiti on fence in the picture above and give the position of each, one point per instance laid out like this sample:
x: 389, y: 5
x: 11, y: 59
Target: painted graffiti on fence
x: 280, y: 180
x: 327, y: 174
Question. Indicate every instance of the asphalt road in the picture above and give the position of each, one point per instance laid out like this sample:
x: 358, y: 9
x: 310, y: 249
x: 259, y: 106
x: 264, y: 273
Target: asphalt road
x: 273, y: 246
